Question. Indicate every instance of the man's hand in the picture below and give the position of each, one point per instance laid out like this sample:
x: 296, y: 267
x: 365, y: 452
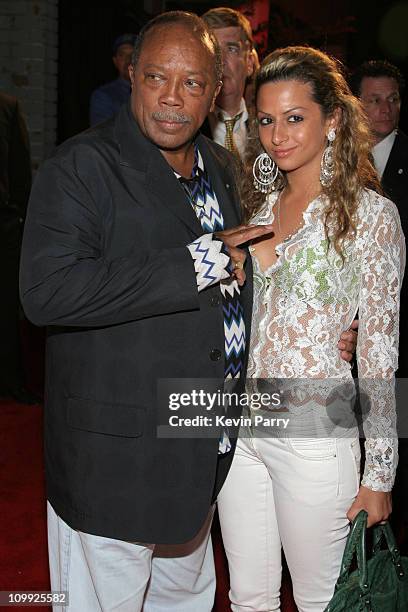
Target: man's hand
x: 377, y: 504
x: 236, y: 236
x: 348, y: 342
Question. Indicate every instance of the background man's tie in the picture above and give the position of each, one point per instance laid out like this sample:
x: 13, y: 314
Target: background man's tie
x: 229, y: 136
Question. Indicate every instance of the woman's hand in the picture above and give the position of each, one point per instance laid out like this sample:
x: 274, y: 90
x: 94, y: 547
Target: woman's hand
x: 348, y: 342
x: 377, y: 504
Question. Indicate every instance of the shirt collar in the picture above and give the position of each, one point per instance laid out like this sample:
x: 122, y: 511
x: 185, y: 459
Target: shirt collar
x: 219, y: 112
x: 381, y: 152
x: 198, y: 164
x: 385, y: 143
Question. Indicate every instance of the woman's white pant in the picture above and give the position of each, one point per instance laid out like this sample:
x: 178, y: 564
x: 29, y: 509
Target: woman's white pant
x: 293, y: 493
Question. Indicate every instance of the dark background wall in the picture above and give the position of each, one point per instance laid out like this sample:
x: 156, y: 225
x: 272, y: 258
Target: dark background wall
x: 354, y: 30
x: 86, y: 32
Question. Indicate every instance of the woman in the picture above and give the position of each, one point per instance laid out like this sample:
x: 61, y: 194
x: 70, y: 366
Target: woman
x: 337, y: 248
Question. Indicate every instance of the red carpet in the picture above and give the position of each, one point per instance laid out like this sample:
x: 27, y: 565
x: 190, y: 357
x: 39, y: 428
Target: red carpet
x: 23, y: 548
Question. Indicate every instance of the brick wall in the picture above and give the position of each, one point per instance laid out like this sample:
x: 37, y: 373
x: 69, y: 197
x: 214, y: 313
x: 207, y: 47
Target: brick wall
x: 28, y: 66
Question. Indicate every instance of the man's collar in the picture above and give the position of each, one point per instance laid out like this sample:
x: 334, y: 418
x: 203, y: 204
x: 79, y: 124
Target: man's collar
x: 123, y: 82
x: 386, y: 142
x: 219, y: 112
x: 135, y: 149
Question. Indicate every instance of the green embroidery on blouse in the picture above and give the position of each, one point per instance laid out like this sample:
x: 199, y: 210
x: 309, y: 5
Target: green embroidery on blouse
x: 311, y: 275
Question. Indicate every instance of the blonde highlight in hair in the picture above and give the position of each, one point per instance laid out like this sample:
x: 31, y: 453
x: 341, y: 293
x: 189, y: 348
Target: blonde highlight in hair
x: 353, y: 169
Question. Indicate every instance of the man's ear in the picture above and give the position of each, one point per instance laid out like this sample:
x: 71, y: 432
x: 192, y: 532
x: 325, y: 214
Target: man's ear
x: 216, y: 92
x: 131, y: 74
x: 252, y: 62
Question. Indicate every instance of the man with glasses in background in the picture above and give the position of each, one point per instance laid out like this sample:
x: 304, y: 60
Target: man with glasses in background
x: 227, y: 123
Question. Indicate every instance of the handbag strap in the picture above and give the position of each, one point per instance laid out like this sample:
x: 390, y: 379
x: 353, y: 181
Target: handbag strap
x: 385, y: 531
x: 356, y: 544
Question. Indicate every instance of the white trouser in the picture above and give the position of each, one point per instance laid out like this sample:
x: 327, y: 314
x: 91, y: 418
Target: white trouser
x: 106, y: 575
x: 291, y: 493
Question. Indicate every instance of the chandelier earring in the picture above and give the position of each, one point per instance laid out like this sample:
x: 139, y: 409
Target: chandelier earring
x: 327, y: 163
x: 265, y: 173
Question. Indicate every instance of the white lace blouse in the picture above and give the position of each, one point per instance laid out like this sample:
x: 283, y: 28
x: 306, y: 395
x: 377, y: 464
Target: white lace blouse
x: 304, y: 301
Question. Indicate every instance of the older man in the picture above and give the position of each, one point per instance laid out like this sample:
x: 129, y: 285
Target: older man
x: 127, y: 260
x: 227, y: 123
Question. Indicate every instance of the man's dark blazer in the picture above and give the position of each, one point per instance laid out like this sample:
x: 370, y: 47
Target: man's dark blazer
x: 206, y: 129
x: 395, y: 177
x: 106, y: 268
x: 15, y: 184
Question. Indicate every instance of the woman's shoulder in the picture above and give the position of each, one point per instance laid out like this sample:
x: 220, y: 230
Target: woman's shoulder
x: 374, y: 207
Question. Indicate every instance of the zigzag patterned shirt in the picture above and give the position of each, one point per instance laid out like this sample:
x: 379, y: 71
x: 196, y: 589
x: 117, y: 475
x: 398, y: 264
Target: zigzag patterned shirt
x: 212, y: 264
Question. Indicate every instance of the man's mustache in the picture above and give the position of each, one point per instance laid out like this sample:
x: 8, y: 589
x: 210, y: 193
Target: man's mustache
x: 172, y: 117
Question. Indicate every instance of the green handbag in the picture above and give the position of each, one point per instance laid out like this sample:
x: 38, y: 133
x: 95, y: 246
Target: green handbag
x: 379, y: 584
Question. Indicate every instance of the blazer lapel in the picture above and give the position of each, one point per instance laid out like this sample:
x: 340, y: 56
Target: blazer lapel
x: 162, y: 183
x: 139, y: 154
x: 149, y: 166
x: 396, y: 160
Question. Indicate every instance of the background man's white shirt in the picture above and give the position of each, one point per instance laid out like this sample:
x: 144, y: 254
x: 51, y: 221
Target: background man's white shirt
x: 381, y: 152
x: 218, y: 129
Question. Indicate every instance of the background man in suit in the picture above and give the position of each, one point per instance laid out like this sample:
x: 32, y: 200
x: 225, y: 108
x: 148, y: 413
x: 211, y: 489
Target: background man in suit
x: 128, y: 260
x: 107, y: 99
x: 380, y: 85
x: 15, y: 184
x: 227, y: 123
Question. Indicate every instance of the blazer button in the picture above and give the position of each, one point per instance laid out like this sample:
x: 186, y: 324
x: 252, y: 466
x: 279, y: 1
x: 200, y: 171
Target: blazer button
x: 215, y: 300
x: 215, y: 354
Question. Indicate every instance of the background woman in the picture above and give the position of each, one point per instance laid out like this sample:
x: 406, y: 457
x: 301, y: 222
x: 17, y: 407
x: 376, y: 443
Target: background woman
x: 337, y: 247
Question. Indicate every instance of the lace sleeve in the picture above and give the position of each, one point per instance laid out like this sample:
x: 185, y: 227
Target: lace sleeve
x: 377, y: 348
